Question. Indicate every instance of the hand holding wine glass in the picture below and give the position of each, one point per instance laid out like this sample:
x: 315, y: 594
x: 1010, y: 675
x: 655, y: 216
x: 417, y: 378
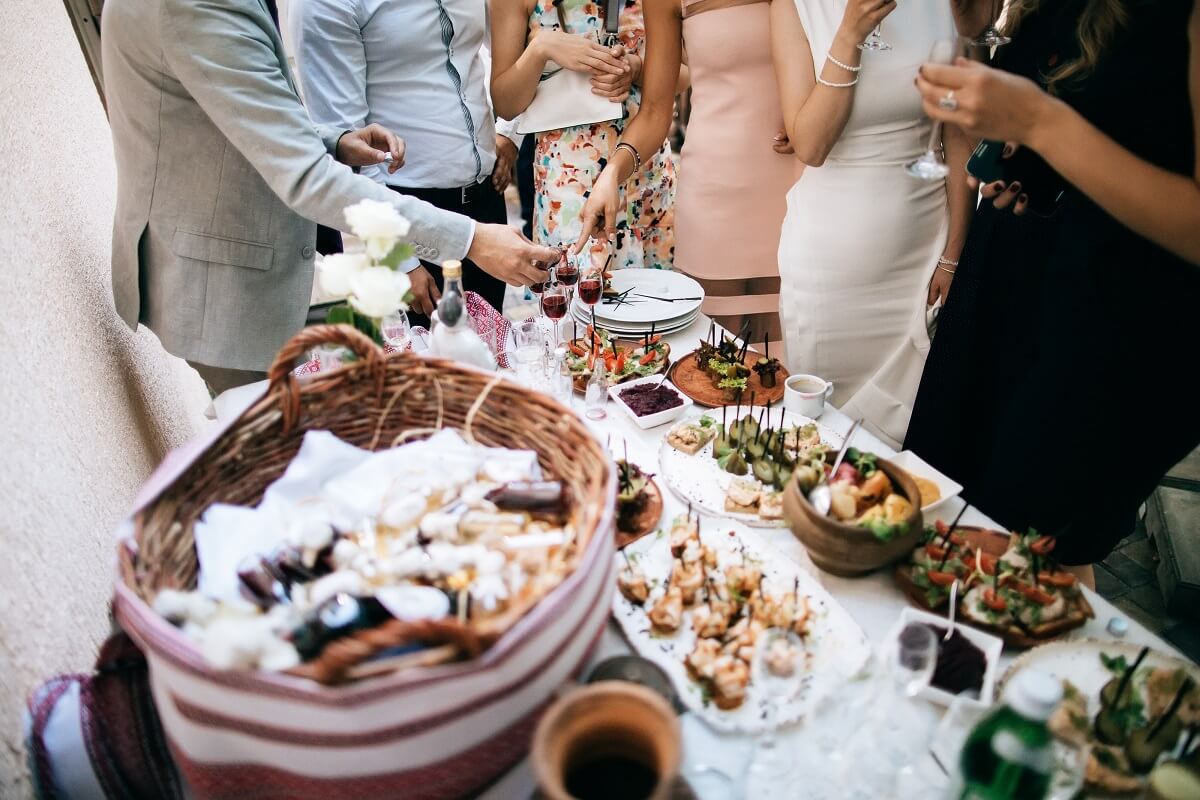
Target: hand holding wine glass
x: 930, y: 166
x: 861, y: 20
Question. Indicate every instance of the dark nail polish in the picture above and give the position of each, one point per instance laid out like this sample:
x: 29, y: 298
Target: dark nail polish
x: 1016, y: 186
x: 1022, y: 198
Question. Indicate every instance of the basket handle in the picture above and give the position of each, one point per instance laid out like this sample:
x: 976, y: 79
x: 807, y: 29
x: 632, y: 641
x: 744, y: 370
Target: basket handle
x: 282, y: 383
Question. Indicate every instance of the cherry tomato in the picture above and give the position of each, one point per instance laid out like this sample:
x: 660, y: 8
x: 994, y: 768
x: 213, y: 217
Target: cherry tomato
x: 987, y: 563
x: 994, y: 601
x: 935, y: 552
x: 958, y: 540
x: 1043, y: 545
x: 941, y: 578
x: 576, y: 348
x: 941, y: 528
x: 649, y: 357
x: 1039, y: 596
x: 1061, y: 580
x: 655, y: 339
x: 620, y: 361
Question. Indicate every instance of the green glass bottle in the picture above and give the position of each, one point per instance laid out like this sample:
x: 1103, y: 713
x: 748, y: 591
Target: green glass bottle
x: 1008, y: 755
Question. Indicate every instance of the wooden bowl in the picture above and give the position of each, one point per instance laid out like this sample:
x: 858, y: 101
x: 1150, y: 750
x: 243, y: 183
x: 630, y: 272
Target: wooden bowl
x: 848, y: 550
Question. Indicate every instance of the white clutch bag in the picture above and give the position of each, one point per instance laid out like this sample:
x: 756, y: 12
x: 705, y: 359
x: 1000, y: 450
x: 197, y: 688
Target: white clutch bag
x: 564, y: 99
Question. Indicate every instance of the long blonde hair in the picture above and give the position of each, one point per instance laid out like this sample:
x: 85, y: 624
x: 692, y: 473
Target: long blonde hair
x: 1099, y: 23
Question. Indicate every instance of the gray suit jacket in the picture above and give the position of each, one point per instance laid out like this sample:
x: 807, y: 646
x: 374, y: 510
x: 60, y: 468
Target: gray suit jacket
x: 222, y: 178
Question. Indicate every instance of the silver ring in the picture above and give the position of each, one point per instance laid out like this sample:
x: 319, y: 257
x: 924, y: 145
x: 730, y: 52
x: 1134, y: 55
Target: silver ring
x: 948, y: 102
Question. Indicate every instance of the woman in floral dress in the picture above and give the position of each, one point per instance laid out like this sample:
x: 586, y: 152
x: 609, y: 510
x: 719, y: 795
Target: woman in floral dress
x: 525, y: 35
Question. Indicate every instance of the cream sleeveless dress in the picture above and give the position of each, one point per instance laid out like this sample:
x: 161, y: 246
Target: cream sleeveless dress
x: 861, y: 237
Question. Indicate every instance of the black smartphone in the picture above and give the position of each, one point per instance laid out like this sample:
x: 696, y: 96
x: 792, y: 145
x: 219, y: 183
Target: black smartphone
x: 986, y: 163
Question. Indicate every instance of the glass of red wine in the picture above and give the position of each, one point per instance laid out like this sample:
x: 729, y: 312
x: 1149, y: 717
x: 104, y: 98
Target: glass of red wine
x: 568, y: 273
x: 591, y: 286
x: 554, y: 303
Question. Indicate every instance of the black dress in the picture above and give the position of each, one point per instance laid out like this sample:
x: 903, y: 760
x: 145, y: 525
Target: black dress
x: 1061, y: 384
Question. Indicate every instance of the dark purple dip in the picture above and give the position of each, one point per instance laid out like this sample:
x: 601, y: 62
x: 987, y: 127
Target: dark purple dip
x: 960, y: 665
x: 646, y: 399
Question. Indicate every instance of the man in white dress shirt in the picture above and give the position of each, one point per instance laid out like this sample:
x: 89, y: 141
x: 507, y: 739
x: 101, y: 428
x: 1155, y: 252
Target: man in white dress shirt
x: 420, y: 69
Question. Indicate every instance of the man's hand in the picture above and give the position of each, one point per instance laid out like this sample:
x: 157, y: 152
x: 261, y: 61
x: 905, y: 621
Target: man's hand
x: 503, y: 252
x: 506, y: 163
x: 371, y: 145
x: 424, y: 290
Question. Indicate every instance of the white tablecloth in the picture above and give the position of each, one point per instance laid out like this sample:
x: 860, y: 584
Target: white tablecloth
x: 874, y: 601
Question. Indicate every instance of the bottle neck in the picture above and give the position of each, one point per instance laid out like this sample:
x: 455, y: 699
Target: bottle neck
x: 452, y: 308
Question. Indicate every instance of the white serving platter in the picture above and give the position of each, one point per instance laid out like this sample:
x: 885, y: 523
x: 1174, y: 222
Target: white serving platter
x: 910, y: 462
x: 836, y: 647
x: 699, y: 480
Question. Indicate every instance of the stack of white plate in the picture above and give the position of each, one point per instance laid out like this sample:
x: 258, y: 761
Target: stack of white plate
x: 665, y: 300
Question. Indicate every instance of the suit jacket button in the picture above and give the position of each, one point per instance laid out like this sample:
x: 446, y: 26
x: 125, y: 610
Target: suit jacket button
x: 306, y: 252
x: 433, y: 253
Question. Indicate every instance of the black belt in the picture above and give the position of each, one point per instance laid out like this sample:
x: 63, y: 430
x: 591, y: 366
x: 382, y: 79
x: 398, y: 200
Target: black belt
x: 464, y: 195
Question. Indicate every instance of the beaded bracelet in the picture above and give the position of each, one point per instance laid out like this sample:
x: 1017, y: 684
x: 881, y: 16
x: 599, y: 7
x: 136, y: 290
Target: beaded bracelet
x: 947, y: 262
x: 637, y: 157
x: 846, y: 67
x: 836, y: 85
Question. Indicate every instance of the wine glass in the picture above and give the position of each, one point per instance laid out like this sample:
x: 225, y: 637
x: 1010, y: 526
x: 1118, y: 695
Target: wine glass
x: 778, y: 663
x: 929, y: 166
x: 991, y: 37
x: 874, y: 42
x: 396, y: 330
x: 591, y: 286
x: 530, y: 354
x: 554, y: 304
x: 568, y: 273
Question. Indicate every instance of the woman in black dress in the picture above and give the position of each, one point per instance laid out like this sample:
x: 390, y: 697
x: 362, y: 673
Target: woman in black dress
x: 1059, y: 388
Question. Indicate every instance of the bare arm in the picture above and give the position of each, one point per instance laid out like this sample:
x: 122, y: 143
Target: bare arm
x: 960, y: 200
x: 1161, y: 205
x: 814, y: 114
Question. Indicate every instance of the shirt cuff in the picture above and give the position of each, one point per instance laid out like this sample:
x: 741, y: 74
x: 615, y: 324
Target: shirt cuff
x: 409, y: 265
x: 470, y: 239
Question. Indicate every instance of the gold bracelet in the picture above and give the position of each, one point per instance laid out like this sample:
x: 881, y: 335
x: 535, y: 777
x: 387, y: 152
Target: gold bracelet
x: 637, y: 157
x: 947, y: 271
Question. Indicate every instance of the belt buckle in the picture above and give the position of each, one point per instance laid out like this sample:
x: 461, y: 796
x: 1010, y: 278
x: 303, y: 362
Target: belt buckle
x: 464, y: 195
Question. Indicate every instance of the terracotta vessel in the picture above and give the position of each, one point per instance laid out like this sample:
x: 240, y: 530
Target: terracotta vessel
x: 606, y: 720
x: 848, y: 550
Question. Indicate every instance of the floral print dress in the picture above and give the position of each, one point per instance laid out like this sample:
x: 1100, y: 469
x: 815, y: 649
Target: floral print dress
x: 567, y: 161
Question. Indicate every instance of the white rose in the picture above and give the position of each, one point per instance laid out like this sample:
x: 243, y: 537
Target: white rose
x: 378, y: 291
x: 379, y: 225
x: 335, y: 271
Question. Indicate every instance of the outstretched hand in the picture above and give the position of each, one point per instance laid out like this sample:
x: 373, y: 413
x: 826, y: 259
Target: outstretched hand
x: 371, y: 145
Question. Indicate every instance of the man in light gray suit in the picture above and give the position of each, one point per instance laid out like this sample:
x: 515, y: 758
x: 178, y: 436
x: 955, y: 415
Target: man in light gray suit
x: 222, y: 178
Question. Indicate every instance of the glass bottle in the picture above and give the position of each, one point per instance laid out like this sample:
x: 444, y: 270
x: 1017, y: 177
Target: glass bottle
x: 596, y: 395
x: 1009, y: 755
x: 453, y: 337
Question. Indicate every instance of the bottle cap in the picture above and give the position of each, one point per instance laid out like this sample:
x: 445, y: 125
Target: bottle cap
x: 1118, y: 627
x: 451, y: 269
x: 1033, y: 694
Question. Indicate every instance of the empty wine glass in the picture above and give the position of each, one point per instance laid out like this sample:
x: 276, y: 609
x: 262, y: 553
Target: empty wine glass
x: 530, y: 355
x: 929, y: 166
x: 396, y: 330
x: 991, y: 37
x: 778, y: 659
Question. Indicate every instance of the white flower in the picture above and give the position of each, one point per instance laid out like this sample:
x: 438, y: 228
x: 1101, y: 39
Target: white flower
x: 378, y: 291
x: 378, y: 224
x: 336, y: 270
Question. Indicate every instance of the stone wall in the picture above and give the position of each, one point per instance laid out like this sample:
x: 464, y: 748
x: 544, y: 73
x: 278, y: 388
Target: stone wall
x: 87, y: 407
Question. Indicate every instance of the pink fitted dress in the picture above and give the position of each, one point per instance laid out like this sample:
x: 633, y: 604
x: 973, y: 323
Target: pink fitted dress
x: 732, y: 191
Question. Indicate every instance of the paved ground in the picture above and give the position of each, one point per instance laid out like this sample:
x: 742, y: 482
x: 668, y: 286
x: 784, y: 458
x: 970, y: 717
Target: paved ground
x: 1129, y: 576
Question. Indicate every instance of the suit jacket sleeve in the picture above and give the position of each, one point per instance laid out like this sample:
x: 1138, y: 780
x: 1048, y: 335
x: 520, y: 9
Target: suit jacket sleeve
x: 222, y: 53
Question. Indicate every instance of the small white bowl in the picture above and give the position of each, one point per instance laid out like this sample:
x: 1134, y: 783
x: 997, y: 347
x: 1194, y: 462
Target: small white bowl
x: 651, y: 420
x: 910, y: 462
x: 991, y: 646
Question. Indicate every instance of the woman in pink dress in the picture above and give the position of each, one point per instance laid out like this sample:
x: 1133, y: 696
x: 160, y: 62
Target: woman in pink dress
x: 735, y: 173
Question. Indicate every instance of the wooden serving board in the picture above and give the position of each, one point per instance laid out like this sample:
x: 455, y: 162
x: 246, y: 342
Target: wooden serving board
x: 699, y: 385
x: 645, y: 522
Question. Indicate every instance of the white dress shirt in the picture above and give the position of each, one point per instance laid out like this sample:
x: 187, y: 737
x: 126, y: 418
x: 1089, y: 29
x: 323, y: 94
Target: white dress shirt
x: 410, y: 67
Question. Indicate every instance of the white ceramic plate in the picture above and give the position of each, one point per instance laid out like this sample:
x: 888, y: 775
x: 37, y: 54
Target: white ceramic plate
x: 836, y: 645
x: 909, y: 461
x: 992, y: 646
x: 651, y: 420
x: 656, y: 283
x: 583, y: 317
x: 699, y: 480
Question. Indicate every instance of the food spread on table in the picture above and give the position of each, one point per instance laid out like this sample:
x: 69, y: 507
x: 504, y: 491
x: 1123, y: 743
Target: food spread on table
x: 721, y: 372
x: 1141, y: 712
x: 697, y: 602
x: 1008, y: 584
x: 639, y: 502
x: 622, y: 360
x: 464, y: 551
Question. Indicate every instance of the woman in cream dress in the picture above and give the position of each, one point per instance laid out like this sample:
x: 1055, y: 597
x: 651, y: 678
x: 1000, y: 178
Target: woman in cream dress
x: 865, y: 250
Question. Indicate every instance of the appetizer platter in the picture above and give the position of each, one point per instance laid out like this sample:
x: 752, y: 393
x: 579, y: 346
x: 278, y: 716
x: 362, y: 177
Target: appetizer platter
x: 737, y: 466
x: 695, y: 602
x: 639, y: 503
x: 722, y: 372
x: 1130, y: 707
x: 1009, y: 584
x: 624, y: 360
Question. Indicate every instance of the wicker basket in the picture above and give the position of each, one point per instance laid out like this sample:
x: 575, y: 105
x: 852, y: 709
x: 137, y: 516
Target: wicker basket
x: 427, y: 731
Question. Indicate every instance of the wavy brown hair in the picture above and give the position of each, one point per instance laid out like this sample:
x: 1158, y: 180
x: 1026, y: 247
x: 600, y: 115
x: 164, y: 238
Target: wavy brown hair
x: 1100, y: 21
